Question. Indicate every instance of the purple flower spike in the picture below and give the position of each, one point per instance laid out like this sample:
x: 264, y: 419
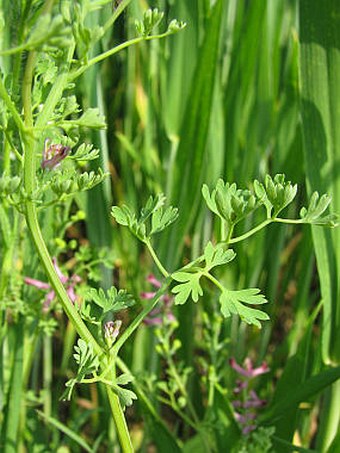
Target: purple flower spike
x: 249, y: 372
x: 246, y: 406
x: 53, y: 154
x: 70, y: 283
x: 156, y: 316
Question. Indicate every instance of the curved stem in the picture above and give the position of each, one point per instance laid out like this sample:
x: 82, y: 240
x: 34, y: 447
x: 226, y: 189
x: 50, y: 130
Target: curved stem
x: 78, y: 72
x: 251, y: 232
x: 160, y: 266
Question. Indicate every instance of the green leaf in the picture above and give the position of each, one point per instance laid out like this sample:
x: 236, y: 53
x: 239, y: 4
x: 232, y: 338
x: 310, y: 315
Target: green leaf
x: 275, y: 194
x: 84, y: 152
x: 9, y: 185
x: 228, y: 202
x: 300, y: 393
x: 152, y: 205
x: 86, y: 181
x: 49, y: 32
x: 153, y: 218
x: 123, y: 215
x: 85, y: 357
x: 163, y: 218
x: 151, y: 19
x: 126, y: 396
x: 216, y: 256
x: 91, y: 118
x: 317, y: 206
x: 189, y: 288
x: 110, y: 301
x: 232, y: 302
x: 124, y: 379
x: 88, y: 363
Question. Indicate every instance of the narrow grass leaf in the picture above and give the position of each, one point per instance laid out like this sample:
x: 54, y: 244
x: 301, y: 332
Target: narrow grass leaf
x: 302, y: 392
x: 66, y: 430
x: 190, y: 160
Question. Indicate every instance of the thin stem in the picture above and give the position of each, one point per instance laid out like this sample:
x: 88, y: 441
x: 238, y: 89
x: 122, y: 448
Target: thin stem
x: 139, y: 318
x: 251, y: 232
x: 117, y: 12
x: 182, y: 388
x: 47, y: 374
x: 78, y: 72
x: 290, y: 221
x: 263, y: 225
x: 161, y: 268
x: 143, y: 397
x: 11, y: 107
x: 214, y: 281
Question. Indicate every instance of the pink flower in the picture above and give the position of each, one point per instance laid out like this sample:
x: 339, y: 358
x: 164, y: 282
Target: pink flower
x: 156, y: 316
x: 249, y: 372
x: 69, y: 281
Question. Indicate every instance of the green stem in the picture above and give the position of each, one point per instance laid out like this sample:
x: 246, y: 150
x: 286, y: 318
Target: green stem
x: 13, y: 409
x: 30, y: 183
x: 182, y: 389
x: 78, y: 72
x: 47, y: 374
x: 117, y: 12
x: 120, y: 422
x: 139, y: 318
x: 251, y: 232
x: 213, y: 280
x: 11, y: 107
x: 145, y: 400
x: 161, y: 268
x: 263, y: 225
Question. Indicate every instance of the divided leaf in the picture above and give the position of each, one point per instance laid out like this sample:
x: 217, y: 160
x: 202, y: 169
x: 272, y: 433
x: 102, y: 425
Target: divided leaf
x: 216, y: 256
x: 228, y: 202
x: 126, y: 396
x: 232, y: 302
x: 88, y: 363
x: 151, y: 19
x: 317, y: 206
x: 189, y: 288
x: 153, y: 217
x: 163, y: 218
x: 275, y: 194
x: 110, y: 301
x: 91, y: 119
x: 85, y: 152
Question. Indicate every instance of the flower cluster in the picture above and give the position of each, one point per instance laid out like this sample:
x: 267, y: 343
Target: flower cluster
x: 156, y: 316
x: 248, y: 400
x: 70, y: 283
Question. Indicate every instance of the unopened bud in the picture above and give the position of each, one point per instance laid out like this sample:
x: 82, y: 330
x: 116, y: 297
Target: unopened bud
x: 111, y: 331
